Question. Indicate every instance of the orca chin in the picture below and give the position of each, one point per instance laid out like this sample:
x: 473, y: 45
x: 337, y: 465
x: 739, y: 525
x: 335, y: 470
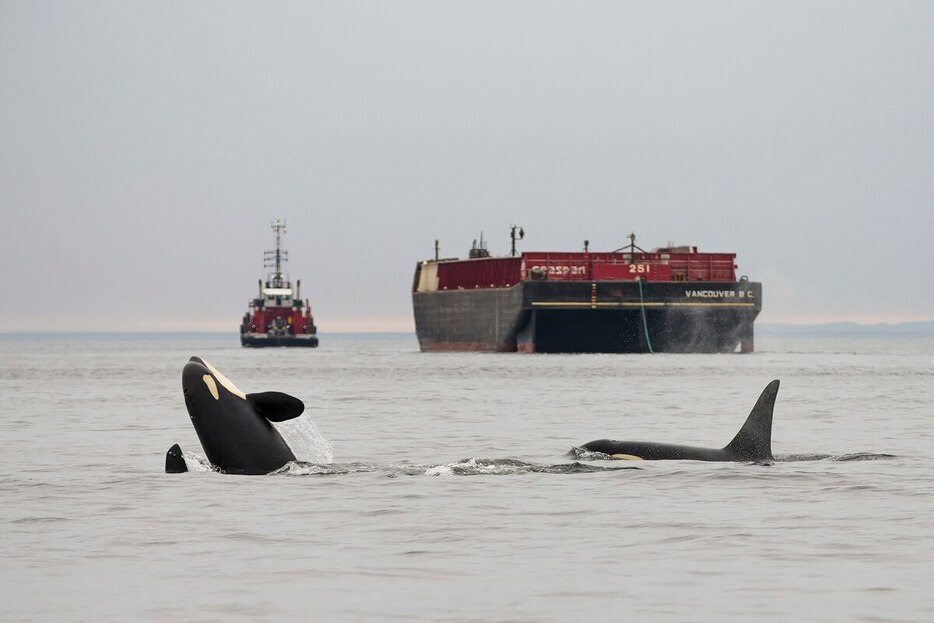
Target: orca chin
x: 752, y: 443
x: 235, y: 428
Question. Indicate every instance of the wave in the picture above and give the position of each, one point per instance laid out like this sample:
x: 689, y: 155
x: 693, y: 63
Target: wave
x: 463, y: 467
x: 855, y: 456
x: 495, y: 467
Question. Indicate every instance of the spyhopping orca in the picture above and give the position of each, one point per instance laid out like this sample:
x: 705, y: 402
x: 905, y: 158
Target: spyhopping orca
x: 234, y: 428
x: 753, y: 442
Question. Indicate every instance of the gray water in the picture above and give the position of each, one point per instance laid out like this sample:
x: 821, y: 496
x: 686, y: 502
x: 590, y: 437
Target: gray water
x: 438, y: 487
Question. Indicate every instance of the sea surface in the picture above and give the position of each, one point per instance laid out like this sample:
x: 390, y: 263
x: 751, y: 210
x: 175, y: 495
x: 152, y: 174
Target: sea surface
x: 444, y: 487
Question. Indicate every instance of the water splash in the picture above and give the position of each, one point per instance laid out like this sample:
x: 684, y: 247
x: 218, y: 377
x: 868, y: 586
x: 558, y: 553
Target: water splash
x: 305, y: 440
x: 197, y: 462
x: 583, y: 454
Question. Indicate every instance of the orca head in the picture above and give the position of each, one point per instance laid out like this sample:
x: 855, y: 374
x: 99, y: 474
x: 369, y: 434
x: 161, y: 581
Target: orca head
x: 234, y: 427
x: 209, y: 395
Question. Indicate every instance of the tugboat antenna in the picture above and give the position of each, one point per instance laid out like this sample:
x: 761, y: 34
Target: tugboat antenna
x: 274, y: 259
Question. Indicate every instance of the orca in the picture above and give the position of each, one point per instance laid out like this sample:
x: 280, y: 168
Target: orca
x: 234, y: 428
x: 752, y: 443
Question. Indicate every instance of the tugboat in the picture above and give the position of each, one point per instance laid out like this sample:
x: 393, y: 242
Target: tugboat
x: 278, y: 317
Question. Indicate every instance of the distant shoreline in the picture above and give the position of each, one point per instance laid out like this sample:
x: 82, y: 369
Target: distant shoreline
x: 829, y: 329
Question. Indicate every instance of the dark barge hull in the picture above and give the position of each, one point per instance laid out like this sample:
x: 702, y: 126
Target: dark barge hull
x: 591, y: 317
x: 260, y: 340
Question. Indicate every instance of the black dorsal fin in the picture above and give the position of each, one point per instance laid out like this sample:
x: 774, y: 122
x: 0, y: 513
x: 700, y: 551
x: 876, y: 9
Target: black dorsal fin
x: 753, y: 442
x: 276, y: 406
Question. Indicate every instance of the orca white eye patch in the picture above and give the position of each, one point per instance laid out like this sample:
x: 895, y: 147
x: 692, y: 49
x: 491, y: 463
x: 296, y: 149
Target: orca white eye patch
x: 212, y: 386
x: 223, y: 380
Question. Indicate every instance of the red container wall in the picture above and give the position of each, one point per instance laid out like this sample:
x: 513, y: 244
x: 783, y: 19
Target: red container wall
x: 489, y: 272
x: 622, y: 266
x: 622, y: 272
x: 505, y: 272
x: 703, y: 267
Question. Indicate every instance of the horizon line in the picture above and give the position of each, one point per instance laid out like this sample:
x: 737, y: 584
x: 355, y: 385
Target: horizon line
x: 803, y: 325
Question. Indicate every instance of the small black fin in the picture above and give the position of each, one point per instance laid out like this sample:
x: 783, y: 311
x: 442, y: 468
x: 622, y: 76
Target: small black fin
x: 276, y: 406
x: 174, y: 461
x: 753, y: 442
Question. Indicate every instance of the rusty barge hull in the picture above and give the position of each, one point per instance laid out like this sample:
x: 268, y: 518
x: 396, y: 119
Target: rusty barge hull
x: 598, y: 317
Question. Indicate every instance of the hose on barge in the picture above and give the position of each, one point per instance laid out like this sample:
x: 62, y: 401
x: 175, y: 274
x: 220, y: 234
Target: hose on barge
x: 645, y: 324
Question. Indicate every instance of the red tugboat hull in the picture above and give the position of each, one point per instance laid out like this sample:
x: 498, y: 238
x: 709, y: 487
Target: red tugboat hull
x: 260, y: 340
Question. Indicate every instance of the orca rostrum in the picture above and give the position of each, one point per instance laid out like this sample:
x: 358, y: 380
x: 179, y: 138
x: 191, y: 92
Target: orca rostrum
x: 234, y: 428
x: 753, y: 442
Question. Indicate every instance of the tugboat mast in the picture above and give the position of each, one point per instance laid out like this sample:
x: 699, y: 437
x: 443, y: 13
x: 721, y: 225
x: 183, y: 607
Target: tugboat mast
x: 274, y: 259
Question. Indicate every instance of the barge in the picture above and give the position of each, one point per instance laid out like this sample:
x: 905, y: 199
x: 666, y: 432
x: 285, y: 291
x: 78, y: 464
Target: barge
x: 672, y: 299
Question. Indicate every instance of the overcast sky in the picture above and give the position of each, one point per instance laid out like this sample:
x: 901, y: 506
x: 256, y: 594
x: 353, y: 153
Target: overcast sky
x: 145, y: 147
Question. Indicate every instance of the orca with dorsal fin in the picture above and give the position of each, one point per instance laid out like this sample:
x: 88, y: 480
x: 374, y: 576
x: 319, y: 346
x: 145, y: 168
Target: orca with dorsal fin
x: 753, y: 442
x: 234, y: 428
